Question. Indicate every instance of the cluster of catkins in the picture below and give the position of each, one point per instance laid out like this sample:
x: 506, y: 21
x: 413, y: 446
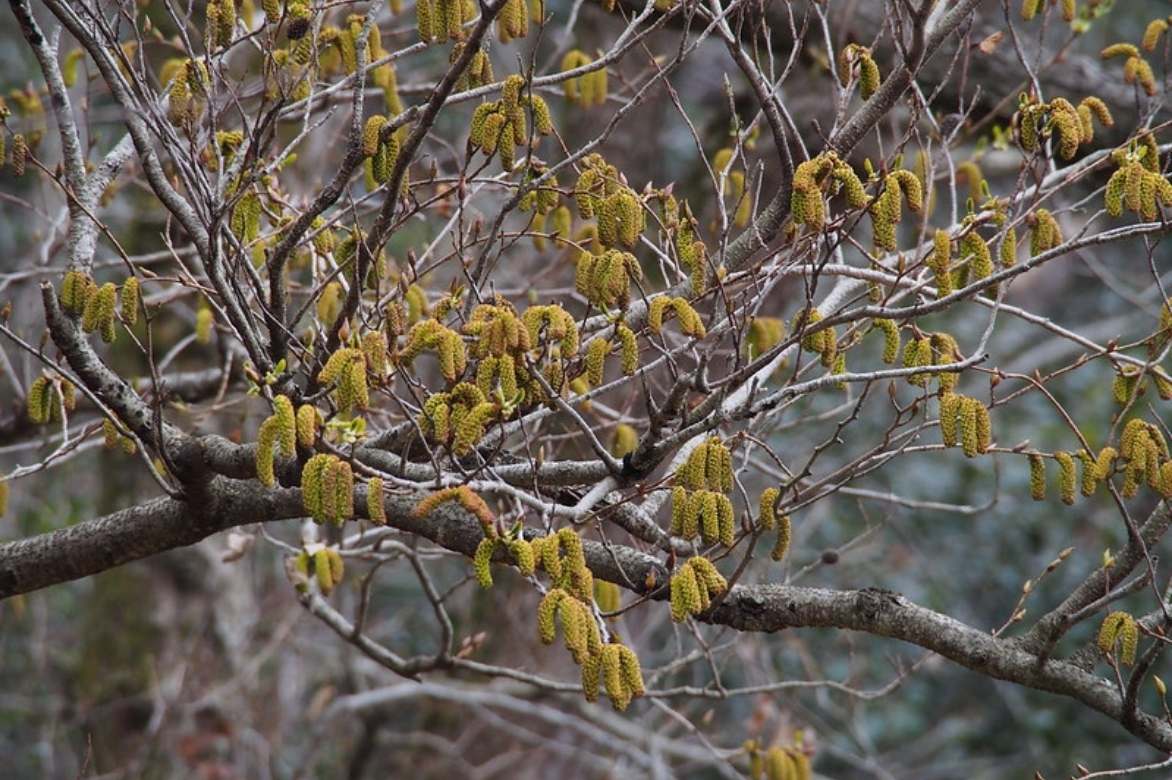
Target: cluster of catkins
x: 973, y: 259
x: 457, y: 418
x: 431, y: 335
x: 1119, y: 629
x: 441, y: 20
x: 1029, y: 9
x: 1144, y: 453
x: 936, y: 349
x: 569, y: 603
x: 777, y: 763
x: 601, y: 193
x: 823, y: 342
x: 967, y: 417
x: 98, y: 305
x: 605, y: 279
x: 700, y: 505
x: 1128, y: 383
x: 807, y: 204
x: 599, y: 348
x: 692, y: 587
x: 346, y: 371
x: 854, y: 56
x: 327, y: 489
x: 887, y: 210
x: 47, y: 396
x: 324, y: 565
x: 277, y: 432
x: 380, y: 148
x: 187, y: 95
x: 1073, y: 127
x: 501, y: 125
x: 691, y: 251
x: 686, y: 316
x: 586, y: 90
x: 1137, y: 184
x: 1136, y: 69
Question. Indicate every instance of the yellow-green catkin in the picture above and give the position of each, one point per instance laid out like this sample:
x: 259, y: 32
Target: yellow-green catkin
x: 891, y: 340
x: 307, y: 424
x: 76, y: 289
x: 940, y: 262
x: 204, y: 319
x: 286, y: 425
x: 1155, y: 29
x: 39, y: 402
x: 129, y: 302
x: 1037, y: 477
x: 482, y: 561
x: 1119, y: 629
x: 782, y: 543
x: 265, y: 450
x: 1066, y: 476
x: 374, y: 501
x: 99, y: 312
x: 20, y: 153
x: 626, y: 439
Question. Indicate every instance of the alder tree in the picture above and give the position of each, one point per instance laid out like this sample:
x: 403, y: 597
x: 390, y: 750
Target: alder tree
x: 384, y: 293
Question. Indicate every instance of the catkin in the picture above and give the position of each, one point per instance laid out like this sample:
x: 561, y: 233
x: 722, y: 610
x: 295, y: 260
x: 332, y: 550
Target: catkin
x: 1037, y: 477
x: 374, y: 501
x: 286, y: 425
x: 1119, y: 628
x: 307, y: 425
x: 1152, y: 33
x: 204, y: 319
x: 781, y: 544
x: 130, y: 301
x: 626, y: 439
x: 1066, y: 476
x: 265, y: 449
x: 482, y: 560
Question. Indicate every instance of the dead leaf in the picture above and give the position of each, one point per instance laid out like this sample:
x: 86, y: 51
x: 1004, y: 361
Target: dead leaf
x: 990, y: 43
